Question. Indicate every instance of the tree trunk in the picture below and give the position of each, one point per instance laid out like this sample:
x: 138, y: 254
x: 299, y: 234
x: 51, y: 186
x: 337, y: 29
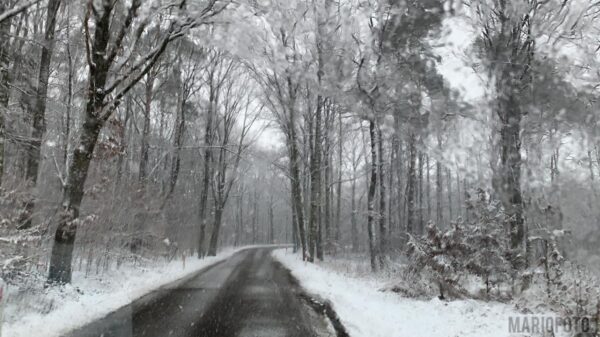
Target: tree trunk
x: 39, y: 107
x: 327, y: 190
x: 371, y: 198
x: 411, y: 220
x: 255, y: 219
x: 511, y: 177
x: 354, y: 211
x: 64, y: 238
x: 69, y: 100
x: 421, y: 229
x: 295, y: 182
x: 294, y: 229
x: 438, y: 187
x: 449, y: 186
x: 338, y: 207
x: 396, y: 172
x: 206, y: 173
x: 392, y: 212
x: 428, y: 189
x: 459, y: 203
x: 4, y: 81
x: 511, y: 57
x: 143, y: 168
x: 122, y: 140
x: 315, y: 183
x: 400, y: 186
x: 179, y: 131
x: 271, y: 222
x: 214, y: 236
x: 382, y: 202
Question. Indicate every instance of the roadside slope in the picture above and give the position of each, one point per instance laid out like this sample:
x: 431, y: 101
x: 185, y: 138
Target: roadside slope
x: 89, y: 299
x: 367, y: 312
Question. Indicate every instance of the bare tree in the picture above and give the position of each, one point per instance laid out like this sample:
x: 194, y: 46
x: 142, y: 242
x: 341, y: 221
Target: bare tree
x: 236, y: 103
x: 39, y: 105
x: 105, y: 56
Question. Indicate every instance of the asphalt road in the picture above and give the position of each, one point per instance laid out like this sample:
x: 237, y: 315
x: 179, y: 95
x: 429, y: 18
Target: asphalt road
x: 248, y: 295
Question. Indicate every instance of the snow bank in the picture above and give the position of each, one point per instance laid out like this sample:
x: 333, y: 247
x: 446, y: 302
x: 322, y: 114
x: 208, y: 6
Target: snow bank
x: 88, y: 299
x: 367, y: 312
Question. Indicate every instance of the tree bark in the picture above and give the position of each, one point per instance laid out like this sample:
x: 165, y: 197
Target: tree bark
x: 354, y: 210
x: 145, y: 152
x: 338, y: 207
x: 371, y: 198
x: 123, y: 142
x: 214, y: 236
x: 179, y: 131
x: 459, y: 203
x: 69, y: 98
x: 64, y: 238
x: 400, y: 186
x: 271, y: 222
x: 315, y: 183
x: 39, y: 107
x: 411, y: 220
x: 295, y: 181
x: 511, y: 55
x: 421, y: 229
x: 382, y: 201
x: 428, y: 168
x: 438, y: 187
x: 449, y: 190
x: 511, y: 179
x: 206, y: 171
x: 4, y: 80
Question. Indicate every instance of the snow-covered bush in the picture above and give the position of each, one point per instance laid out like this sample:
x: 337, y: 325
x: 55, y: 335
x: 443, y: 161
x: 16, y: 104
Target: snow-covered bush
x: 488, y: 242
x: 18, y: 257
x: 477, y: 249
x: 441, y: 255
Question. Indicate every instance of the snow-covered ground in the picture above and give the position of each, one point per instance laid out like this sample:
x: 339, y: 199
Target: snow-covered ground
x: 90, y: 298
x: 368, y: 312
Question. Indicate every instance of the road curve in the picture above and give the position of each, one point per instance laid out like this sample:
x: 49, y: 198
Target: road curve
x: 248, y: 295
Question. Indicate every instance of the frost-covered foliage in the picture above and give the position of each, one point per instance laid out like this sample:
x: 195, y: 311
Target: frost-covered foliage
x: 442, y: 254
x: 18, y: 259
x: 570, y: 290
x: 488, y: 240
x: 475, y: 249
x: 559, y: 284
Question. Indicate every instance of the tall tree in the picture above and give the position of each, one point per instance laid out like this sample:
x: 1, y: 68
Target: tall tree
x: 509, y: 45
x: 41, y: 92
x: 104, y: 46
x: 39, y: 106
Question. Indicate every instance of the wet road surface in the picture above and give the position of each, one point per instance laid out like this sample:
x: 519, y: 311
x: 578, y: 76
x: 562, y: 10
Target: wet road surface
x: 248, y: 295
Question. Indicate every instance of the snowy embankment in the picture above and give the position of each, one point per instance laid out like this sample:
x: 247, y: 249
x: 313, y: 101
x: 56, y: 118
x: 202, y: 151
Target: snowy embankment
x: 91, y: 298
x: 366, y: 311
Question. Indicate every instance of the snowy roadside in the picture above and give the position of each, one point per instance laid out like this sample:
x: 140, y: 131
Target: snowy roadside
x: 367, y: 312
x: 88, y: 299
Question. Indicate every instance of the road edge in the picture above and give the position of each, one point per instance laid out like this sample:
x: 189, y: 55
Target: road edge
x: 156, y: 293
x: 321, y: 306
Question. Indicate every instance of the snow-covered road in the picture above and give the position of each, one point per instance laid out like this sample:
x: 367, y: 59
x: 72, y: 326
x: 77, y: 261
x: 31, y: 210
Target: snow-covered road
x: 248, y: 294
x: 58, y: 310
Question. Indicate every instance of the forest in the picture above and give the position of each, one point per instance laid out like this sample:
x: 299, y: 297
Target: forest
x: 453, y: 145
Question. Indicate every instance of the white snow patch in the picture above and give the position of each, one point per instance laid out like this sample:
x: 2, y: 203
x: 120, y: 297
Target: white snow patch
x: 91, y: 298
x: 367, y: 312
